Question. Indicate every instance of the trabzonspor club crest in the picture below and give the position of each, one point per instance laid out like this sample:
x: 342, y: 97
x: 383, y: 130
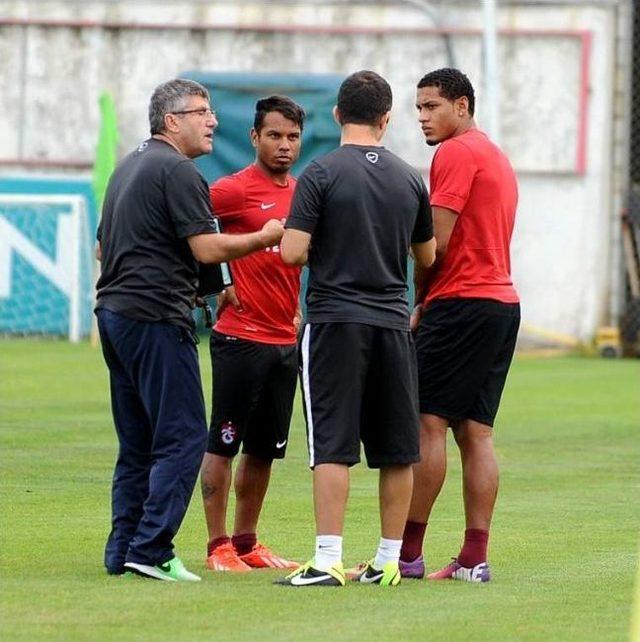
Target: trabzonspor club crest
x: 228, y: 433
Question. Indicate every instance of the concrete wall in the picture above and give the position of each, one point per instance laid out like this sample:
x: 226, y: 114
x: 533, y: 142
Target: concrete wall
x: 558, y: 68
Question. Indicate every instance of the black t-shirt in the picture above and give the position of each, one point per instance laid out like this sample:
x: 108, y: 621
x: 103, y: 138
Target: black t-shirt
x: 363, y: 207
x: 156, y: 198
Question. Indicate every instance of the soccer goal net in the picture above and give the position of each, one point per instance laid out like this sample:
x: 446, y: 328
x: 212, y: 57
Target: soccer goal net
x: 46, y: 265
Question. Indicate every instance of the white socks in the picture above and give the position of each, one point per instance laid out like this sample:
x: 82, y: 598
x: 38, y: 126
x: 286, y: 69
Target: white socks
x: 329, y: 551
x: 388, y: 551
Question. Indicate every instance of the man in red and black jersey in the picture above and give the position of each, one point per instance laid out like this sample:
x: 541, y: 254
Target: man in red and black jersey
x: 466, y: 322
x: 253, y: 345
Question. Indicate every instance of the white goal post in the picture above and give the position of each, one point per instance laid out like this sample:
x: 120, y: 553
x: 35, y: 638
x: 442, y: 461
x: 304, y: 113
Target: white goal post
x: 45, y: 265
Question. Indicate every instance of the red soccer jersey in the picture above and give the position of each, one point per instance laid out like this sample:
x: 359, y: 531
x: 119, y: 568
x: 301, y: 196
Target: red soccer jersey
x: 471, y: 176
x: 267, y: 288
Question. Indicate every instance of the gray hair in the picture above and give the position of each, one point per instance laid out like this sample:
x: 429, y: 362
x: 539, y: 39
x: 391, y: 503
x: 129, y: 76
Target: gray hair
x: 169, y: 97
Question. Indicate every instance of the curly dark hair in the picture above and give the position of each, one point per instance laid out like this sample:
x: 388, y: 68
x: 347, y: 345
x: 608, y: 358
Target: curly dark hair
x: 283, y: 105
x: 452, y: 83
x: 364, y: 97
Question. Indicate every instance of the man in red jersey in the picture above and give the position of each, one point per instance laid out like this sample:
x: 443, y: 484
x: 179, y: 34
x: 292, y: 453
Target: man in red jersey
x: 467, y: 320
x: 253, y: 345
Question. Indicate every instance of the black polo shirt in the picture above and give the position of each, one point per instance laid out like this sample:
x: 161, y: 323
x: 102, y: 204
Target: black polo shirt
x: 363, y: 207
x: 156, y: 198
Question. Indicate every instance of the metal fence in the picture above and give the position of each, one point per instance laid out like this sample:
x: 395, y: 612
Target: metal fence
x: 630, y: 320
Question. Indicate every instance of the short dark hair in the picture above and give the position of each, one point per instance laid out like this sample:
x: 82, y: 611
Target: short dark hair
x: 170, y: 97
x: 283, y: 105
x: 452, y: 83
x: 364, y: 97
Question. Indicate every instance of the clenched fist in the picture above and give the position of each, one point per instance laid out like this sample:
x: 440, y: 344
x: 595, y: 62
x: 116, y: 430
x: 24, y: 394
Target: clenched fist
x: 272, y: 232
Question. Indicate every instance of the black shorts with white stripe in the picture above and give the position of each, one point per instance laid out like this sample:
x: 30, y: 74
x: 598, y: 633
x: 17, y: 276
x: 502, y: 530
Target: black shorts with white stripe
x: 359, y: 383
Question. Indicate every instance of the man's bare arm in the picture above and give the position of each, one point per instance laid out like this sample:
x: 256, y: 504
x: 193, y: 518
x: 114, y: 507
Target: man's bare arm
x: 444, y: 221
x: 424, y: 254
x: 216, y: 248
x: 294, y: 247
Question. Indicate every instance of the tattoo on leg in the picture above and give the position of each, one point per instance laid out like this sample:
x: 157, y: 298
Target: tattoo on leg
x: 208, y: 490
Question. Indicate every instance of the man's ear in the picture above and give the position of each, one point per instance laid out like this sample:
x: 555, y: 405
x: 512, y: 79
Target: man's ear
x: 171, y: 123
x: 336, y: 115
x: 461, y: 106
x: 253, y: 136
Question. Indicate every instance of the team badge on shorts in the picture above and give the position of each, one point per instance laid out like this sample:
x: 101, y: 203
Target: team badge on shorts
x: 228, y: 433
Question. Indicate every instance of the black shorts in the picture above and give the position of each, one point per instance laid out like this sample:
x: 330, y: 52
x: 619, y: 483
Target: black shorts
x: 464, y: 349
x: 359, y: 383
x: 253, y: 388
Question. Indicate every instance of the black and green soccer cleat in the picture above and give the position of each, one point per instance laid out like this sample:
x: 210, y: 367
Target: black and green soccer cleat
x: 389, y: 575
x: 307, y: 575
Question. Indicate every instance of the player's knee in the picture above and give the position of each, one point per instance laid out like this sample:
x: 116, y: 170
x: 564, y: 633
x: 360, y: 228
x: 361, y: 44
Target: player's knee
x: 433, y: 437
x: 433, y: 425
x: 472, y: 435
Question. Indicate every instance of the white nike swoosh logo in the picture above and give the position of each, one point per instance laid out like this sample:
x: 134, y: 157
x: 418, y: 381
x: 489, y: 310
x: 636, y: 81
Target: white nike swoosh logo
x: 370, y: 580
x: 298, y: 580
x: 280, y: 444
x: 267, y: 206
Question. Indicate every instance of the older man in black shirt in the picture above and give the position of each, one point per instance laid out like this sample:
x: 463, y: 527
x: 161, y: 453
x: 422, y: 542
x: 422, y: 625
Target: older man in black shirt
x: 156, y: 225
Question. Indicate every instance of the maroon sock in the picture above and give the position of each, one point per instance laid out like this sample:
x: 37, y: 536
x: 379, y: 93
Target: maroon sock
x: 215, y: 542
x: 474, y: 549
x: 412, y: 540
x: 244, y: 543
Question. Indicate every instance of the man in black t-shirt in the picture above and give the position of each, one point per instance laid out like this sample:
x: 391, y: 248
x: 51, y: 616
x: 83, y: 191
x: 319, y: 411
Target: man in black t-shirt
x: 156, y: 225
x: 355, y: 213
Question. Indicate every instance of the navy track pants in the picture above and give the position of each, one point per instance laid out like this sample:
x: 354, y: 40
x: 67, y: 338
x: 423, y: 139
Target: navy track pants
x: 159, y: 416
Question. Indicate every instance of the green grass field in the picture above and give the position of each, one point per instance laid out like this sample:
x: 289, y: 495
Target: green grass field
x: 563, y: 550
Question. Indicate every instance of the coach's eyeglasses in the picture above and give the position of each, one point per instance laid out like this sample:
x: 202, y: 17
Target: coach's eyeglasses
x: 202, y: 111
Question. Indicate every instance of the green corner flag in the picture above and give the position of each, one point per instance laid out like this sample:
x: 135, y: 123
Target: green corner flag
x: 106, y: 157
x: 106, y: 149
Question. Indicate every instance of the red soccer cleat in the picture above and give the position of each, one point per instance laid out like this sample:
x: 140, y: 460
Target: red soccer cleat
x: 262, y: 557
x: 225, y: 558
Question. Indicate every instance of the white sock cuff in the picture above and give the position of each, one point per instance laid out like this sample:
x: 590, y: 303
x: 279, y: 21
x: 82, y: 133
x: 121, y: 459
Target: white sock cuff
x: 388, y: 551
x: 329, y: 540
x: 390, y: 544
x: 328, y: 551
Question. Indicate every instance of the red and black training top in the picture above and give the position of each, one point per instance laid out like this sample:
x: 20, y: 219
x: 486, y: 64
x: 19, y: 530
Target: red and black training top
x: 472, y: 177
x: 267, y: 288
